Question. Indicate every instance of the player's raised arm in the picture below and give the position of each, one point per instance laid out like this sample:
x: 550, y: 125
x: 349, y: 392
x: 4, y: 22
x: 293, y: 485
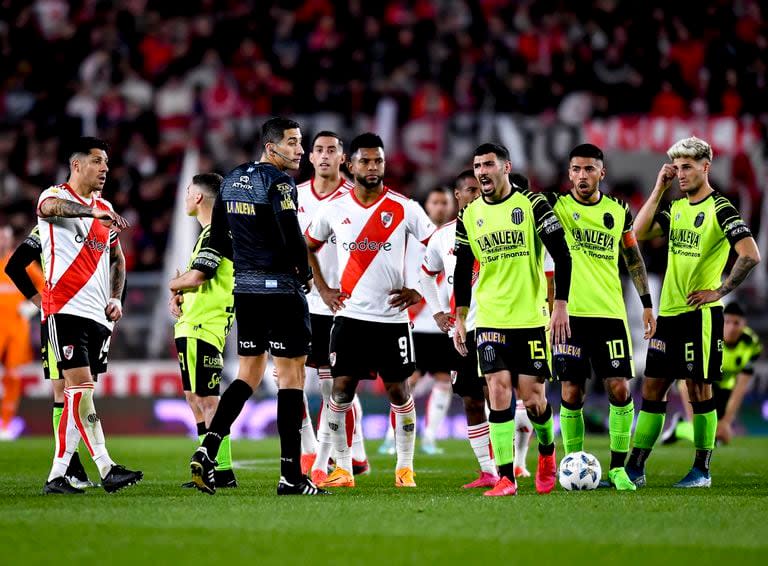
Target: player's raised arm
x: 51, y: 207
x: 648, y: 223
x: 281, y: 196
x: 633, y: 259
x: 552, y: 235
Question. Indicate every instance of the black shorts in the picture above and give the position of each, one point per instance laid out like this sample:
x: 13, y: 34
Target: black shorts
x: 78, y: 342
x: 517, y: 350
x: 467, y: 379
x: 50, y: 366
x: 603, y: 343
x: 364, y: 349
x: 321, y: 341
x: 687, y: 346
x: 201, y: 365
x: 435, y: 352
x: 277, y: 322
x: 721, y: 397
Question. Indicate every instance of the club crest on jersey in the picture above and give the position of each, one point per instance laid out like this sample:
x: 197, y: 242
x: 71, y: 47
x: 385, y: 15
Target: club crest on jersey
x: 479, y: 222
x: 608, y: 220
x: 68, y: 351
x: 699, y: 219
x: 576, y: 216
x: 677, y: 216
x: 386, y: 219
x: 517, y: 216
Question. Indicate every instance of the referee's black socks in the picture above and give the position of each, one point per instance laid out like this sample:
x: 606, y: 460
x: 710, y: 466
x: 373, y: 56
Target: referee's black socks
x: 230, y: 405
x: 290, y: 412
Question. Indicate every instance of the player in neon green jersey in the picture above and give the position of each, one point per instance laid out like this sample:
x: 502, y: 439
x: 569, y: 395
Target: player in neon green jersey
x: 741, y: 348
x: 202, y: 300
x: 598, y: 228
x: 506, y: 231
x: 702, y: 227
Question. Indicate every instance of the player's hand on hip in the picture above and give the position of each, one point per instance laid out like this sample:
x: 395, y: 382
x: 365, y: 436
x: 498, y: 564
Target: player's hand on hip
x: 559, y: 323
x: 701, y: 298
x: 403, y: 298
x: 460, y: 337
x: 174, y: 305
x: 649, y: 324
x: 333, y: 298
x: 443, y: 320
x: 114, y: 310
x: 115, y: 222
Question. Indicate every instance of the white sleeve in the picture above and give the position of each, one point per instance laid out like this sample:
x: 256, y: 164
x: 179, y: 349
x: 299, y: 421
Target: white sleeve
x: 319, y: 229
x: 50, y: 192
x: 419, y: 224
x: 431, y: 266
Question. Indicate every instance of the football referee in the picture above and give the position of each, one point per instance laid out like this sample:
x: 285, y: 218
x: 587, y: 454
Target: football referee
x: 257, y: 207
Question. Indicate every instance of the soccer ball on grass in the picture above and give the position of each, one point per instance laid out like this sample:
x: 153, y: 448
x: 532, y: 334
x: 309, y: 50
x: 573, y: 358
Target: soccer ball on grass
x: 579, y: 471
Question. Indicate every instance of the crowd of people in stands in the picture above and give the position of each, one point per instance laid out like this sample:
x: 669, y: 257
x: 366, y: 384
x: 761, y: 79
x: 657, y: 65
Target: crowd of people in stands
x: 149, y: 76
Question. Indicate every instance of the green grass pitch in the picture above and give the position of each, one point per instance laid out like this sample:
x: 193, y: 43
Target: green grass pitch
x: 376, y: 523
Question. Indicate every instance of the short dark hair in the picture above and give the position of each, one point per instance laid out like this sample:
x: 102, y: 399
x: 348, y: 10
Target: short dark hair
x: 211, y: 182
x: 587, y: 150
x: 519, y: 181
x: 464, y: 175
x: 273, y: 130
x: 84, y: 145
x: 367, y: 140
x: 500, y: 151
x: 327, y: 134
x: 734, y: 309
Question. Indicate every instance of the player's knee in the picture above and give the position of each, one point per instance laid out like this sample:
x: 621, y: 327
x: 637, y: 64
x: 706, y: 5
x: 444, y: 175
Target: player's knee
x: 618, y: 391
x: 572, y: 393
x: 535, y: 405
x: 654, y: 389
x: 474, y: 409
x: 398, y: 393
x: 698, y: 392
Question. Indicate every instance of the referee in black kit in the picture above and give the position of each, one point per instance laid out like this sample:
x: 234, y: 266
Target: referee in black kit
x: 256, y: 206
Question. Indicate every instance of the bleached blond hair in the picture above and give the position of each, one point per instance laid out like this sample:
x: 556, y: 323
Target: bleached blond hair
x: 693, y: 148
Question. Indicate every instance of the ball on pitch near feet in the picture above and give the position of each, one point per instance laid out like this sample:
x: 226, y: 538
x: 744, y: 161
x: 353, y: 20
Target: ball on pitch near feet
x: 579, y: 471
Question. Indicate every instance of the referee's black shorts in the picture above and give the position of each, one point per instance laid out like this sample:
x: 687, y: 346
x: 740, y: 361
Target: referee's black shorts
x: 275, y: 322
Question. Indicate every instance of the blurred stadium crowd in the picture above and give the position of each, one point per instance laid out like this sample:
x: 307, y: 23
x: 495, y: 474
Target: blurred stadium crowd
x: 149, y: 76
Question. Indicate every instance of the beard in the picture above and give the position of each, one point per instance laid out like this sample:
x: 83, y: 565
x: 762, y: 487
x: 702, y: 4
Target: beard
x: 362, y: 180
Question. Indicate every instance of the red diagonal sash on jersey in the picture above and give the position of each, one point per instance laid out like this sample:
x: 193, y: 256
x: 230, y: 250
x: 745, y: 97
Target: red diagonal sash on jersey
x: 380, y: 226
x: 78, y: 273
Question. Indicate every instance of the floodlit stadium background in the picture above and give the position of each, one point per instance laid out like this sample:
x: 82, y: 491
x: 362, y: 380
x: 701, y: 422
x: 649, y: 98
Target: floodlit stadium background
x: 182, y: 87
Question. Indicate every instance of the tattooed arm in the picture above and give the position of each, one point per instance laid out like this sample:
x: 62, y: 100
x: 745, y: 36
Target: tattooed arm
x: 114, y: 309
x: 749, y: 257
x: 633, y: 259
x: 63, y: 208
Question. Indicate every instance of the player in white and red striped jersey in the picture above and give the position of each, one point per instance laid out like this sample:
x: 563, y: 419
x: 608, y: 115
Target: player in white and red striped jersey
x: 437, y: 287
x: 371, y: 333
x: 434, y: 349
x: 326, y: 156
x: 84, y: 272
